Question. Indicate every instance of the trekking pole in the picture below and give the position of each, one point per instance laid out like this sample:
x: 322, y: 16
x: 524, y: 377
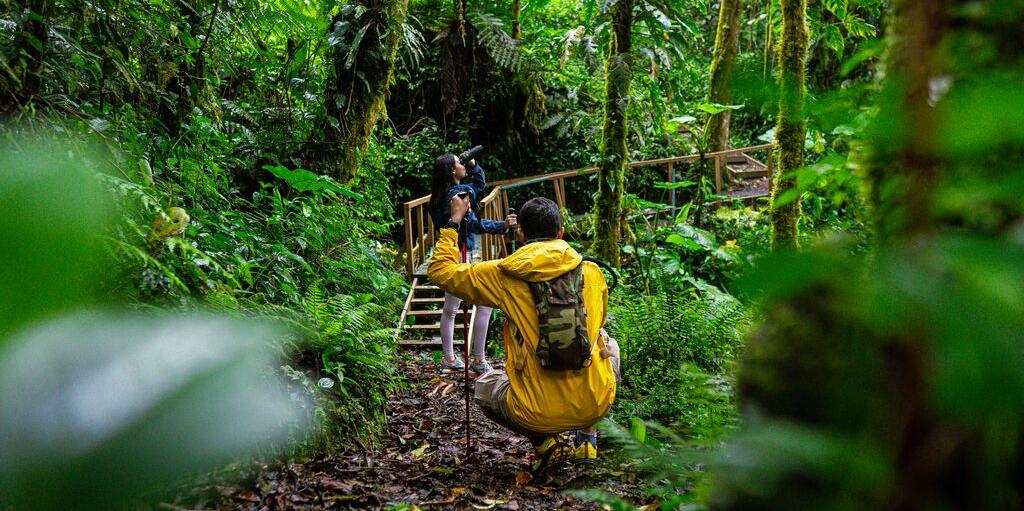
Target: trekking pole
x: 465, y: 337
x: 512, y: 231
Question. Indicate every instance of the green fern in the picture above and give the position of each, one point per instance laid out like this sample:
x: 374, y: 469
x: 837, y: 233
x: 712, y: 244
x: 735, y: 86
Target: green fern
x: 502, y: 47
x: 677, y: 350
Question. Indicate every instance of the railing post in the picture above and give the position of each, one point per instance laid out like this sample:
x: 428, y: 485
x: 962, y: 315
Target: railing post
x: 408, y: 240
x: 672, y: 192
x: 420, y: 236
x: 485, y: 239
x: 718, y: 175
x: 431, y: 230
x: 560, y: 192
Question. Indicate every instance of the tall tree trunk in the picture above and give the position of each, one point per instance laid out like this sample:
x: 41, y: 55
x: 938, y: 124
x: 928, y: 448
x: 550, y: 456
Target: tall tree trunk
x: 910, y: 63
x: 723, y: 65
x: 614, y: 154
x: 791, y: 129
x: 22, y: 78
x: 516, y: 28
x: 357, y: 88
x: 186, y: 81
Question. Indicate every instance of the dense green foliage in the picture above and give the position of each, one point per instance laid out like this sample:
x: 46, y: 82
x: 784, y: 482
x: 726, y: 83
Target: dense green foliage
x: 258, y: 152
x: 681, y: 349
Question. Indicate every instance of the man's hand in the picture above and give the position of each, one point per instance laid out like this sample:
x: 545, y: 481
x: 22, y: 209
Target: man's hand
x: 459, y: 206
x: 471, y: 164
x: 511, y: 222
x: 610, y: 348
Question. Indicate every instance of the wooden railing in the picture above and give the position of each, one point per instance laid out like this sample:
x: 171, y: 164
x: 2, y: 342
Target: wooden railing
x: 420, y: 233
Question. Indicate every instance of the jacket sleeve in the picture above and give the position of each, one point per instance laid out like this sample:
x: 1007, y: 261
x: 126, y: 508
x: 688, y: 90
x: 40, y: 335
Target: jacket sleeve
x: 479, y: 225
x: 477, y: 283
x: 484, y: 226
x: 595, y: 296
x: 478, y: 181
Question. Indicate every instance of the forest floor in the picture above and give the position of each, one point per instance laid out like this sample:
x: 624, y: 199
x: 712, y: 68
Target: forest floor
x: 422, y: 464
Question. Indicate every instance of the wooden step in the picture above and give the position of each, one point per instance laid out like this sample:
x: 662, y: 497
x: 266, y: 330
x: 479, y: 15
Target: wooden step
x: 419, y: 343
x: 750, y: 174
x: 430, y: 312
x: 748, y: 171
x: 427, y: 300
x: 423, y: 326
x: 433, y: 343
x: 426, y: 291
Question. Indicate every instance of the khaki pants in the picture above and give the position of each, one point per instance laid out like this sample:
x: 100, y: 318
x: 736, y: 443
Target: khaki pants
x: 491, y: 393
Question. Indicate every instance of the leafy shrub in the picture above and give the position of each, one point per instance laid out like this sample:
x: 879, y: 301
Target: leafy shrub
x: 677, y: 350
x: 344, y: 360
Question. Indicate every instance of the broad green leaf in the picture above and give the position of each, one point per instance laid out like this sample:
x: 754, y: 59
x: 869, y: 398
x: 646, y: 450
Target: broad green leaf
x: 101, y: 407
x: 53, y: 214
x: 674, y: 186
x: 787, y: 196
x: 715, y: 108
x: 306, y: 181
x: 702, y: 238
x: 638, y: 429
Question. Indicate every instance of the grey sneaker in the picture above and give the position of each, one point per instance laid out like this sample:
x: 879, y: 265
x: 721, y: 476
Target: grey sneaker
x: 453, y: 366
x: 481, y: 367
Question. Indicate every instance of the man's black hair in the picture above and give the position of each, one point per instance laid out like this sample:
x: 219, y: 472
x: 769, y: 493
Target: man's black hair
x: 540, y: 218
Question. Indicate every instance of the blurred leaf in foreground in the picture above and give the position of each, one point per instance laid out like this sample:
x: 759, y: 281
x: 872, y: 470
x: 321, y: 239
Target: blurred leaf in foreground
x: 102, y: 407
x: 52, y: 214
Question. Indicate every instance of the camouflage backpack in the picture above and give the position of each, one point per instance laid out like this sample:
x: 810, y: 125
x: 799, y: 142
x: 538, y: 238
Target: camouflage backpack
x: 564, y: 343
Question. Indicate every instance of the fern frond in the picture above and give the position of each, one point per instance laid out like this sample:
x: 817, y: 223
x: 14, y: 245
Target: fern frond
x: 502, y: 47
x: 315, y: 303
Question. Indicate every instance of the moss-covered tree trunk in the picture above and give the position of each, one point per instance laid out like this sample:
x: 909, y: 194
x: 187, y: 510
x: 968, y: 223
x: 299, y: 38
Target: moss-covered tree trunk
x: 516, y: 27
x: 791, y: 128
x: 614, y: 154
x: 21, y: 76
x: 359, y: 81
x: 182, y: 75
x: 903, y: 163
x: 723, y: 66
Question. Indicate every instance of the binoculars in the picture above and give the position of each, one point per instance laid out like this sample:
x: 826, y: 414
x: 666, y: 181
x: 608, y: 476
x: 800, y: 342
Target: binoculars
x: 469, y: 154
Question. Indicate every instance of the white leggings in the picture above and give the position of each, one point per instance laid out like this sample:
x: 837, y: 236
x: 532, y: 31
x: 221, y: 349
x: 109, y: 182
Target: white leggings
x: 483, y: 318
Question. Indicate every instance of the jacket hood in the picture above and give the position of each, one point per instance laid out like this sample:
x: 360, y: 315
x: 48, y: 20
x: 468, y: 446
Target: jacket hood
x: 540, y: 261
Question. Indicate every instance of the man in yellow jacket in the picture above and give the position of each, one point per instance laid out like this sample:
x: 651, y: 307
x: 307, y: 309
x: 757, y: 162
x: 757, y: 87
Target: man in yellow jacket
x: 539, y: 403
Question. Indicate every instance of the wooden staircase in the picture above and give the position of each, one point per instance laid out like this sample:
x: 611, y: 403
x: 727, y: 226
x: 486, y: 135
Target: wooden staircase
x: 420, y: 323
x: 748, y: 177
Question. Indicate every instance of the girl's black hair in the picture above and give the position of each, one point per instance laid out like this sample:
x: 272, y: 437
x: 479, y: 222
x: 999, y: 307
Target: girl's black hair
x: 442, y: 179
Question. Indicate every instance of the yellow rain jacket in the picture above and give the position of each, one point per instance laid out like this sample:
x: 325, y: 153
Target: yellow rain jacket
x: 541, y: 400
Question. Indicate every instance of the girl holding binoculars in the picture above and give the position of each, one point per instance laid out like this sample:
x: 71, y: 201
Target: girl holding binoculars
x: 451, y: 177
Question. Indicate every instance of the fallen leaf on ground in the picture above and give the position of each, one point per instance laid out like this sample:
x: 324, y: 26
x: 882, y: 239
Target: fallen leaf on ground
x: 420, y: 451
x: 490, y: 503
x: 523, y: 477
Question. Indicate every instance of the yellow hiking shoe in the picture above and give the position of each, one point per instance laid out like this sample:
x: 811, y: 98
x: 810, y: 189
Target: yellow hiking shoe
x: 585, y: 451
x: 554, y: 450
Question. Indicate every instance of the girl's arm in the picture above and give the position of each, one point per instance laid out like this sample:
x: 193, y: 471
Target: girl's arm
x: 484, y: 226
x: 478, y: 180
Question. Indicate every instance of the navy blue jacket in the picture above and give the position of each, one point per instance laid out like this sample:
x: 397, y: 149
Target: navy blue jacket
x: 440, y: 212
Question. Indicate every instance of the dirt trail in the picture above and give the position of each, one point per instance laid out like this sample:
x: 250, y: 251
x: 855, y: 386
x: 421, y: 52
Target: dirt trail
x: 421, y: 465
